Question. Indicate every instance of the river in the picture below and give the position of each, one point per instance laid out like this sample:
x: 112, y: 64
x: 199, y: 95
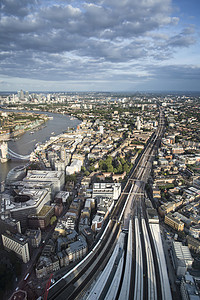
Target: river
x: 26, y: 143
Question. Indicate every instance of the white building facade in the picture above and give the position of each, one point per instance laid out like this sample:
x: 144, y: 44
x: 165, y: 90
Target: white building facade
x: 107, y: 190
x: 18, y: 244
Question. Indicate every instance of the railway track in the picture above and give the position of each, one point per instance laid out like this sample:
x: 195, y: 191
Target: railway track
x: 71, y: 284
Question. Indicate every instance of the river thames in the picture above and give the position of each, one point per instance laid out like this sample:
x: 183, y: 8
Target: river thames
x: 25, y: 144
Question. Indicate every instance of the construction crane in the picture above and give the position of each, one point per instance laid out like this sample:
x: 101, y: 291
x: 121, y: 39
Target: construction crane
x: 47, y: 287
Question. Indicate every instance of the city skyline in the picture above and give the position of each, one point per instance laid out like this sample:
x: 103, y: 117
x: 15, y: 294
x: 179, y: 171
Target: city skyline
x: 100, y: 46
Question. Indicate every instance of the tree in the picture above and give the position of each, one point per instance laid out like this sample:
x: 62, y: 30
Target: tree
x: 53, y: 219
x: 119, y: 169
x: 115, y: 163
x: 83, y: 169
x: 109, y: 168
x: 91, y: 168
x: 71, y: 178
x: 122, y: 160
x: 115, y: 170
x: 86, y: 173
x: 126, y: 168
x: 109, y: 159
x: 102, y: 165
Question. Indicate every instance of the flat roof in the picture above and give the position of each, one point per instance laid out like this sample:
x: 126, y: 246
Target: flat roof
x: 17, y: 237
x: 166, y: 291
x: 45, y: 209
x: 46, y: 175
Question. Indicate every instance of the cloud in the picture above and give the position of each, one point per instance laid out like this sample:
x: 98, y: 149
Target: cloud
x: 173, y: 78
x: 184, y: 38
x: 178, y: 72
x: 17, y: 8
x: 125, y: 20
x: 55, y: 40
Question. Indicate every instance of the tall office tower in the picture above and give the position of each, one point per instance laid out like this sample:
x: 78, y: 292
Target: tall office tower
x: 21, y: 95
x: 48, y: 97
x: 27, y: 94
x: 39, y: 97
x: 138, y: 123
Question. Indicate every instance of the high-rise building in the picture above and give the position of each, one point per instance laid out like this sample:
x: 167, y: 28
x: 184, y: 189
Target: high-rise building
x: 138, y: 123
x: 21, y: 97
x: 18, y: 243
x: 4, y: 152
x: 101, y: 129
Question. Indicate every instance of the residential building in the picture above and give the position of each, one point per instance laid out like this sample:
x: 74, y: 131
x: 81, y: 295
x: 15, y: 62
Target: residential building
x: 61, y: 197
x: 75, y: 167
x: 107, y: 190
x: 188, y: 288
x: 182, y: 258
x: 77, y: 249
x: 174, y: 222
x: 9, y: 224
x: 97, y: 222
x: 34, y: 236
x: 69, y: 222
x: 195, y: 231
x: 193, y: 244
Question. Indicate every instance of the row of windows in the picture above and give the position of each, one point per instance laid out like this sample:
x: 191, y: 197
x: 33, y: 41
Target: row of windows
x: 21, y: 250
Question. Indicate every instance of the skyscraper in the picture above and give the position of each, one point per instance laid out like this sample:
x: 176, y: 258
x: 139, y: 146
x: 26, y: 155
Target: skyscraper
x: 138, y: 123
x: 21, y: 96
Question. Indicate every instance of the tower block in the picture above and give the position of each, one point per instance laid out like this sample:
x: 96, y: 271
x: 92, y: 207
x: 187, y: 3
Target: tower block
x: 4, y: 152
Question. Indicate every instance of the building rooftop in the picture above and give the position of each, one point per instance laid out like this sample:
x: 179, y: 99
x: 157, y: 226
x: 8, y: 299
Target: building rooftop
x: 34, y: 197
x: 17, y: 237
x: 45, y: 209
x: 45, y: 175
x: 19, y: 295
x: 190, y: 287
x: 182, y: 252
x: 79, y: 244
x: 105, y: 185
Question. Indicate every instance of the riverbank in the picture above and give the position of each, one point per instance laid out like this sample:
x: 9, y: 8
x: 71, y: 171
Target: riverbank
x: 14, y: 124
x: 25, y: 143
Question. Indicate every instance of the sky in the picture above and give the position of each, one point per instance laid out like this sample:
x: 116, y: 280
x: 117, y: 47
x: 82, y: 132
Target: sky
x: 100, y: 45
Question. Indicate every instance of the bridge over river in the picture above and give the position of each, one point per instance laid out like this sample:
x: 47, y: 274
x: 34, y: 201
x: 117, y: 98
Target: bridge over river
x: 6, y: 154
